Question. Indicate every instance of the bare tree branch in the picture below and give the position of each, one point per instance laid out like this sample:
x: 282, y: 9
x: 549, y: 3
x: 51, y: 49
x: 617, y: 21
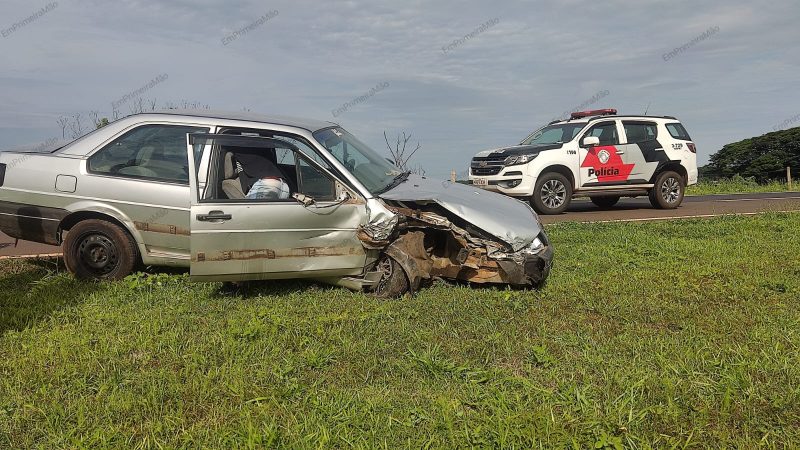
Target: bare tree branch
x: 63, y: 122
x: 400, y: 154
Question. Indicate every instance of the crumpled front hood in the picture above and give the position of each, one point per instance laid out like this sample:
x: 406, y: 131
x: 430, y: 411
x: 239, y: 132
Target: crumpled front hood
x: 506, y: 218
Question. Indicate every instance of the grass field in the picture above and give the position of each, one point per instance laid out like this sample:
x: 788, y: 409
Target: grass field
x: 650, y: 335
x: 736, y: 185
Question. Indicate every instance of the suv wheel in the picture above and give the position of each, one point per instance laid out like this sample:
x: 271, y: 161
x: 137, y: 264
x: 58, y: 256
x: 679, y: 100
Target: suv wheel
x: 393, y: 282
x: 668, y: 191
x: 604, y: 202
x: 552, y: 194
x: 99, y: 250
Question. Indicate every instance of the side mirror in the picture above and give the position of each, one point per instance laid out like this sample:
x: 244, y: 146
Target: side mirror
x: 590, y: 141
x: 303, y: 199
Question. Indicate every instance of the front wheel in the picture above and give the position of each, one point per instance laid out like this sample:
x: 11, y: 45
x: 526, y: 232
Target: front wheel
x: 552, y: 194
x: 393, y: 282
x: 99, y: 250
x: 668, y: 191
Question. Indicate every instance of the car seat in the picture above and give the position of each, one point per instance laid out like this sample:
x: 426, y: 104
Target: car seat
x: 231, y: 183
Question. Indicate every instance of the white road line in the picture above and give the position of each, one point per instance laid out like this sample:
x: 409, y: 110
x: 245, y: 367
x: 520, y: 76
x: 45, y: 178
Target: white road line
x: 756, y: 199
x: 696, y: 216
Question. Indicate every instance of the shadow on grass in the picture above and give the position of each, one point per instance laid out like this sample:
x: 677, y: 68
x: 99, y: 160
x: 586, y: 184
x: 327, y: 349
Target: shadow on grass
x: 32, y: 290
x: 272, y: 288
x: 248, y: 289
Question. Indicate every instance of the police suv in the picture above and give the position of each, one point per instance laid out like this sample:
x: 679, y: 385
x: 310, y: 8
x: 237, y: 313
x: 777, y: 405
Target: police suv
x: 596, y: 154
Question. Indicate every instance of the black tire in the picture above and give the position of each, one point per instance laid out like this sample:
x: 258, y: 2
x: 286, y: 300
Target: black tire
x: 394, y: 282
x: 552, y: 194
x: 668, y: 190
x: 99, y: 250
x: 604, y: 202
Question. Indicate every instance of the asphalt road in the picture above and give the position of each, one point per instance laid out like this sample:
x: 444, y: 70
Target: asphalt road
x: 581, y: 210
x: 639, y: 209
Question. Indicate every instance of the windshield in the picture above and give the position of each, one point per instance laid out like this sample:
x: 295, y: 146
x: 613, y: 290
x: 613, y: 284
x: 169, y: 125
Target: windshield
x: 554, y: 134
x: 370, y: 168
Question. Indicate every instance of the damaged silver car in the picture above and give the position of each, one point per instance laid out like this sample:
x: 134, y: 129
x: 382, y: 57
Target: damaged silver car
x: 239, y: 197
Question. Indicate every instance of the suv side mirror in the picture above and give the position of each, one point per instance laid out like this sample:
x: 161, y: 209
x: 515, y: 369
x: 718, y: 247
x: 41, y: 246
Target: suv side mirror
x: 590, y: 141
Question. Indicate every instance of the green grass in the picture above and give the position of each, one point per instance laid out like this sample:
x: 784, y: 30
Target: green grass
x: 659, y: 335
x: 736, y: 185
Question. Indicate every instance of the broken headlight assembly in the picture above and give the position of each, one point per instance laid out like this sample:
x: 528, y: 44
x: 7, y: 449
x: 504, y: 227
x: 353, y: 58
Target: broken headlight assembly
x: 534, y: 248
x: 516, y: 160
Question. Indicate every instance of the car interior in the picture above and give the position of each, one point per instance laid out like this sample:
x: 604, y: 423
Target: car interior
x: 235, y: 179
x: 232, y: 170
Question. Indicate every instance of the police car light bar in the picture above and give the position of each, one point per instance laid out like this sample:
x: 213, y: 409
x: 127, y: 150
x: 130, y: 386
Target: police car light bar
x: 594, y: 112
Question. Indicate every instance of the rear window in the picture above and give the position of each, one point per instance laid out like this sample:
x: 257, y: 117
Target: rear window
x: 677, y: 131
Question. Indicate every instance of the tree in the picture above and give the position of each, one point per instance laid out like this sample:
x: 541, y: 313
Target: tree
x: 764, y: 157
x: 400, y: 154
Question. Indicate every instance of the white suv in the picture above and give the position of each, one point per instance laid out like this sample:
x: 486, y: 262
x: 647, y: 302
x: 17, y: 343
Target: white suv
x: 595, y: 154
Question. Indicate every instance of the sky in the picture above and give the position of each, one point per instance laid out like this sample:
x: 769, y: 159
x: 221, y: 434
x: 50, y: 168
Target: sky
x: 525, y: 63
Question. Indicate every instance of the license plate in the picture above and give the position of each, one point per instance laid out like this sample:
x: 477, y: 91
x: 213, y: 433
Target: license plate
x: 480, y: 182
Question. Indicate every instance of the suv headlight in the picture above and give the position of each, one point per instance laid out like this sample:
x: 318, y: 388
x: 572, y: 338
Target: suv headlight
x: 519, y: 159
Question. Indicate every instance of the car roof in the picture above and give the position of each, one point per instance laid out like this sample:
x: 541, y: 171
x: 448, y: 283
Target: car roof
x: 86, y: 144
x: 297, y: 122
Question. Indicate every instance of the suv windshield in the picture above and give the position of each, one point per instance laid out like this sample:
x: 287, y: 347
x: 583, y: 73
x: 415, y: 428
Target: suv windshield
x: 554, y: 134
x: 370, y: 168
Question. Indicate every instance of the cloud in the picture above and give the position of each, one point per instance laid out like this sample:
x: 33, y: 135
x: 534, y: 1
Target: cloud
x: 539, y: 59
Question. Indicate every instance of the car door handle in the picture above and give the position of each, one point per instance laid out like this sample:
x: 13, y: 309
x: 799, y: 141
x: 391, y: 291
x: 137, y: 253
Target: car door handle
x: 214, y: 216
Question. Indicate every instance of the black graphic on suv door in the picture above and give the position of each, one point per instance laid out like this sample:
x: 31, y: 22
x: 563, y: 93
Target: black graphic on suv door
x: 643, y: 150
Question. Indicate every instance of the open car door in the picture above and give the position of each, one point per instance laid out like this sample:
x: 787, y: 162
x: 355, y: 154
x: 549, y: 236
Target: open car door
x: 312, y: 233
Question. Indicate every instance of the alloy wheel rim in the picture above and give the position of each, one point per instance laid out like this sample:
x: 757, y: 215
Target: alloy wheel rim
x: 554, y: 193
x: 670, y: 190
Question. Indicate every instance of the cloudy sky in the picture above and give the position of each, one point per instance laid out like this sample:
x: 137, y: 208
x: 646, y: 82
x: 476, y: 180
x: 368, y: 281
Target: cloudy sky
x: 534, y: 61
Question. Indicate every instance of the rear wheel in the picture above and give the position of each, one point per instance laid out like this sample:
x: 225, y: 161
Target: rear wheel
x: 393, y: 282
x: 604, y: 202
x: 668, y: 191
x: 99, y: 250
x: 552, y: 193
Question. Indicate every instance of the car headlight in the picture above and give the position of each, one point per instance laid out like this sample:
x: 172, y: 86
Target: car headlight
x: 519, y: 159
x: 536, y: 246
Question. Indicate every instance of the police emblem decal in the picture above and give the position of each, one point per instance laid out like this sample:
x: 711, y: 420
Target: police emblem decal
x: 603, y: 156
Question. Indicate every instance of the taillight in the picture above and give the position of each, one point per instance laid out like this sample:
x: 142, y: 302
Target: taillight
x: 692, y: 147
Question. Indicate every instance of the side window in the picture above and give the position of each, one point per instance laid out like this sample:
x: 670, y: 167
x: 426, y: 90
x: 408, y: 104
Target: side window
x: 272, y: 172
x: 305, y: 149
x: 640, y: 131
x: 314, y: 183
x: 607, y: 132
x: 151, y: 152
